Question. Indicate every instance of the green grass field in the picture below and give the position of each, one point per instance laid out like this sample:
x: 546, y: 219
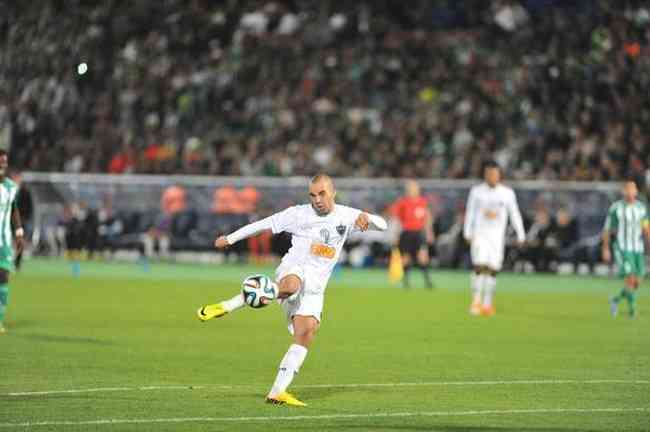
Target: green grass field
x: 120, y: 349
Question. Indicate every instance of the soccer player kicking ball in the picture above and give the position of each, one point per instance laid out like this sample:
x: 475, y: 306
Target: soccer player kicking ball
x: 9, y: 217
x: 318, y: 231
x: 628, y: 219
x: 489, y: 206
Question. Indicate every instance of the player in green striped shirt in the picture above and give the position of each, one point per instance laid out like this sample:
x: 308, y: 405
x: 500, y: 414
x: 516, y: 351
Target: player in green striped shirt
x: 10, y: 226
x: 628, y: 220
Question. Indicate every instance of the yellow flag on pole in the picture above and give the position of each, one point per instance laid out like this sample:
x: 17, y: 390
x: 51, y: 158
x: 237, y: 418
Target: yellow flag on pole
x: 395, y: 267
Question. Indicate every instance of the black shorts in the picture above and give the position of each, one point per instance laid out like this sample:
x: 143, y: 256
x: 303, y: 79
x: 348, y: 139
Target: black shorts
x: 410, y: 242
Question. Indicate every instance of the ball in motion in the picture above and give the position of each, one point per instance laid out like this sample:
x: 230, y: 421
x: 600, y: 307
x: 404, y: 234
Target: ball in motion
x: 259, y: 291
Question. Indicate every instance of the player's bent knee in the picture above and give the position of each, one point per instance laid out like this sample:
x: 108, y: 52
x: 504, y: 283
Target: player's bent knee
x: 289, y: 285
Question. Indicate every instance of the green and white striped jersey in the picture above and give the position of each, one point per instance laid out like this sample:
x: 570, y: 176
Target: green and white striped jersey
x: 8, y: 192
x: 626, y: 221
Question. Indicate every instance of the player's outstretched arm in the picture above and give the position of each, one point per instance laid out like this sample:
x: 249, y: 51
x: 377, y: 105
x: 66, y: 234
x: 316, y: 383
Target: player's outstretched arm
x: 516, y: 220
x: 244, y: 232
x: 611, y: 222
x: 605, y: 252
x: 366, y: 221
x: 470, y: 210
x: 277, y: 223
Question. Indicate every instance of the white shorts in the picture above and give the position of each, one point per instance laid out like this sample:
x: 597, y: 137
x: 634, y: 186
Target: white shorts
x: 487, y: 252
x: 308, y: 301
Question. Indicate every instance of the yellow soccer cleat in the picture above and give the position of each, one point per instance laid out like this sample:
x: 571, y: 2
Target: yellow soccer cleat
x: 285, y: 398
x: 2, y: 329
x: 475, y: 309
x: 211, y: 311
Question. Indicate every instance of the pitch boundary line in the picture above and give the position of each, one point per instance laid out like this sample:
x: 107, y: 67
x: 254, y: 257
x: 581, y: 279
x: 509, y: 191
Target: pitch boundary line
x: 308, y: 386
x: 325, y: 416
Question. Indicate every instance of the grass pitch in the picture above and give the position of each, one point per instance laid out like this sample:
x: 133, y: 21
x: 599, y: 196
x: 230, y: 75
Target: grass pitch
x: 120, y: 349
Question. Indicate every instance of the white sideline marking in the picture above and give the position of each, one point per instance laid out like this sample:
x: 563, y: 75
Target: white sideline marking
x: 358, y: 385
x: 325, y: 416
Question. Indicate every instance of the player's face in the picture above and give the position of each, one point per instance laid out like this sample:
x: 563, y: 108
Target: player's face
x: 321, y: 195
x: 412, y: 189
x: 4, y: 163
x: 492, y: 176
x: 630, y: 191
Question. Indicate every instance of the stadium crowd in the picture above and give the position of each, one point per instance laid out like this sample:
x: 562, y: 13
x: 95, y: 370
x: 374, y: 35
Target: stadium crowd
x: 555, y: 89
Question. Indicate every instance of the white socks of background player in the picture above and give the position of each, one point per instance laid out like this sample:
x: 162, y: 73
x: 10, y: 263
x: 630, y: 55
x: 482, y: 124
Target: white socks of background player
x: 289, y: 367
x: 489, y: 286
x: 476, y: 281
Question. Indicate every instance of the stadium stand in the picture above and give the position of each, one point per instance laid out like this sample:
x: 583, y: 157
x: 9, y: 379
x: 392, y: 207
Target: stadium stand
x: 556, y: 89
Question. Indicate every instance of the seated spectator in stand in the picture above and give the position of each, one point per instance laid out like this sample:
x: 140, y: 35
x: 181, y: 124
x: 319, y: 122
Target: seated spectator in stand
x: 123, y: 162
x: 109, y: 227
x: 564, y: 240
x: 225, y: 200
x: 537, y: 251
x: 259, y: 246
x: 453, y: 250
x: 70, y: 236
x: 172, y: 201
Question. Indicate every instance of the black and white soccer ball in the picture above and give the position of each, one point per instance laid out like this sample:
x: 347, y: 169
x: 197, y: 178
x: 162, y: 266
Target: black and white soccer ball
x: 259, y: 291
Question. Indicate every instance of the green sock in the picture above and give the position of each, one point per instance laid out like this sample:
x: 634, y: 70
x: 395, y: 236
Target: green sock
x: 4, y: 299
x: 631, y: 301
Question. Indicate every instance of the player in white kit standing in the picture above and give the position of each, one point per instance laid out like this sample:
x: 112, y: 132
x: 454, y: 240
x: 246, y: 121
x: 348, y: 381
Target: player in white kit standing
x: 318, y: 230
x: 489, y: 207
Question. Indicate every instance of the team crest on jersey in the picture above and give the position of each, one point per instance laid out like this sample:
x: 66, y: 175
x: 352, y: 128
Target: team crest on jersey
x: 325, y: 235
x: 341, y: 229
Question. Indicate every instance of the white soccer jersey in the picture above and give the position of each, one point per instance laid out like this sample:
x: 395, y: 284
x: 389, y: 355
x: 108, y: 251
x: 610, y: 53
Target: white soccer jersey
x: 487, y: 213
x: 316, y: 241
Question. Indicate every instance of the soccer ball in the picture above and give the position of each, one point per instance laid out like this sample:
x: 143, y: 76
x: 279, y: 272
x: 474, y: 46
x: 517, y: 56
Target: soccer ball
x: 258, y: 291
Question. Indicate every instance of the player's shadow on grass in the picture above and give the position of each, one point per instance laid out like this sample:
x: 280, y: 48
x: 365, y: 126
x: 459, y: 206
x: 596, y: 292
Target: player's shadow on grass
x: 64, y: 339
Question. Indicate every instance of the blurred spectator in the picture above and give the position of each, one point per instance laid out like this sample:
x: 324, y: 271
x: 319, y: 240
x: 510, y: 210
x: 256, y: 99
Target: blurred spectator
x: 226, y: 200
x: 563, y: 237
x: 539, y: 250
x: 453, y: 250
x: 557, y: 90
x: 123, y: 162
x: 172, y: 202
x: 109, y: 225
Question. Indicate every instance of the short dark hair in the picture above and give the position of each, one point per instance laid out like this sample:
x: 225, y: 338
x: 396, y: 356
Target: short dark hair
x: 4, y: 152
x: 630, y: 179
x: 491, y: 164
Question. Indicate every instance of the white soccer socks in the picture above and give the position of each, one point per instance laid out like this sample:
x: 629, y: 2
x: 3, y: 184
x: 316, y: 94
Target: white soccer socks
x: 237, y: 302
x: 488, y: 290
x: 476, y: 281
x: 289, y: 367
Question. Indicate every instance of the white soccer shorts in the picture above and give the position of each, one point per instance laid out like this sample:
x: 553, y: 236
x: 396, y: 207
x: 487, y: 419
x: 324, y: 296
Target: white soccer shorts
x: 308, y: 301
x: 487, y: 252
